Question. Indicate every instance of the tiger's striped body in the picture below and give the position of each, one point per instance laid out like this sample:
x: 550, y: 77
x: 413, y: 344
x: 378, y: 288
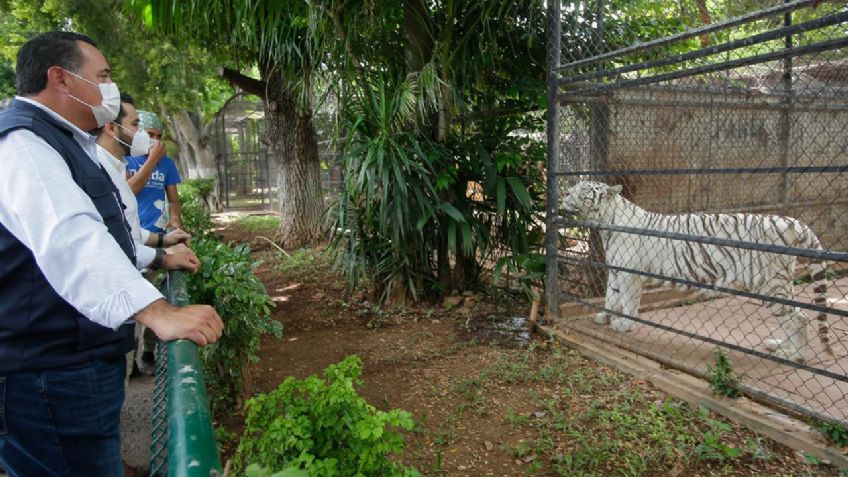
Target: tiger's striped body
x: 765, y: 273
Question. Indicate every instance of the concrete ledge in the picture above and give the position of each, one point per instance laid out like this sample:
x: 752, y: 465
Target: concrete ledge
x: 780, y: 427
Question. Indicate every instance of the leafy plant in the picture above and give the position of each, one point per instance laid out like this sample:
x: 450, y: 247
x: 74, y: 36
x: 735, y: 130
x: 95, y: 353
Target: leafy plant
x: 834, y: 433
x: 323, y: 426
x: 712, y: 446
x: 723, y: 382
x: 227, y: 282
x: 195, y: 214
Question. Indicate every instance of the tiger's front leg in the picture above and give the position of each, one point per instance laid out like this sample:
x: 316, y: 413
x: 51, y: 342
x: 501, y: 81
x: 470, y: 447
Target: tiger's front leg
x: 627, y: 290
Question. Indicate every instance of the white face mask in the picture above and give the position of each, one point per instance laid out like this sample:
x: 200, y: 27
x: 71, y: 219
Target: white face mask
x: 110, y: 104
x: 140, y: 142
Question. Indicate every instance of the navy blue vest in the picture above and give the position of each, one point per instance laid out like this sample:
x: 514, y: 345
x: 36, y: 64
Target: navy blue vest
x: 38, y: 328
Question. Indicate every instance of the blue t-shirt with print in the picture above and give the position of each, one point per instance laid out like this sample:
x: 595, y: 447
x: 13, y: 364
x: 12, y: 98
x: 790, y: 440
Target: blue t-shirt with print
x: 152, y: 199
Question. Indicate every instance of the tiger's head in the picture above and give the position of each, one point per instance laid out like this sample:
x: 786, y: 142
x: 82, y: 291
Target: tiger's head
x: 586, y: 198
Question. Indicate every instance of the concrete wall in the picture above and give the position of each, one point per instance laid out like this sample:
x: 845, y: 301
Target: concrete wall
x: 682, y: 128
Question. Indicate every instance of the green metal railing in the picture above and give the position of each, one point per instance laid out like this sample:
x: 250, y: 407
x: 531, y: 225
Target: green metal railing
x: 183, y: 443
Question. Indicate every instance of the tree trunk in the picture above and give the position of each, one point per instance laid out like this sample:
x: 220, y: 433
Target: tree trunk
x: 293, y: 143
x: 704, y: 16
x: 197, y: 151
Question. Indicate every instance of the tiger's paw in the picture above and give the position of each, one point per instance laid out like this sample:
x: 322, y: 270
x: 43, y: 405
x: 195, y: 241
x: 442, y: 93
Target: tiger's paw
x: 602, y: 318
x: 781, y: 349
x: 621, y: 324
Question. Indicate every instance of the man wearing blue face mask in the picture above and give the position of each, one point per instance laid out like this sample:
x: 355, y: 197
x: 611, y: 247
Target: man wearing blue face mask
x: 69, y: 289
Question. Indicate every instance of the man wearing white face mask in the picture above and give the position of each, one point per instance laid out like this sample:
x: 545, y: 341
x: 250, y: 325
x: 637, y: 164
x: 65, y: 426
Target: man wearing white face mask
x: 69, y: 289
x: 116, y: 140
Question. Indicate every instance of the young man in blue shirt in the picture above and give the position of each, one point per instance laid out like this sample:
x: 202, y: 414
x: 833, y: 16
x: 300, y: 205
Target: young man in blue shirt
x: 154, y: 179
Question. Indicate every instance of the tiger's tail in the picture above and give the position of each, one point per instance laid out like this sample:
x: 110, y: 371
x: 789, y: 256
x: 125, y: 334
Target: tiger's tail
x: 818, y: 276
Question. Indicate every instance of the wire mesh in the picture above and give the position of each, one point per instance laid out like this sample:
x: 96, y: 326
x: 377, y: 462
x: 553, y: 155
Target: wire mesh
x: 159, y: 416
x: 697, y: 174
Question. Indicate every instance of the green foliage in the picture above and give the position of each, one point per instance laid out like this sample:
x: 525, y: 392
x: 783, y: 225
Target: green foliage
x: 303, y: 262
x: 324, y: 427
x: 227, y: 282
x: 834, y: 433
x: 254, y: 470
x: 260, y: 224
x: 712, y: 446
x: 723, y: 382
x: 195, y: 214
x: 163, y: 74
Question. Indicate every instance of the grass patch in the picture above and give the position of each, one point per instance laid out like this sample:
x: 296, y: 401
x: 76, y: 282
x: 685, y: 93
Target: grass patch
x: 304, y: 262
x: 259, y: 224
x: 590, y: 421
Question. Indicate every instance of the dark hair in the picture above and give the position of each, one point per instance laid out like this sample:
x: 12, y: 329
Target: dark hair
x: 125, y: 98
x: 41, y: 52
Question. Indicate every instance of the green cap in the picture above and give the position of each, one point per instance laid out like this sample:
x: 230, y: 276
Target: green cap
x: 148, y: 120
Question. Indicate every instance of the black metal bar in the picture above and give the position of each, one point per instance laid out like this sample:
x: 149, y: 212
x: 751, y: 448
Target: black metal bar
x: 717, y: 171
x: 711, y: 28
x: 711, y: 68
x: 785, y: 120
x: 797, y: 105
x: 707, y: 286
x: 713, y: 341
x: 786, y: 32
x: 552, y: 191
x: 761, y: 247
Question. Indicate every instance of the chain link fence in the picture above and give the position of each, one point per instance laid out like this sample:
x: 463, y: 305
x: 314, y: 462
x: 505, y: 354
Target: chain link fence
x: 697, y: 194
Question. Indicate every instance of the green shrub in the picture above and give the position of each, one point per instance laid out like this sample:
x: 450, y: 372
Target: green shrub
x: 324, y: 427
x: 227, y: 282
x: 195, y: 213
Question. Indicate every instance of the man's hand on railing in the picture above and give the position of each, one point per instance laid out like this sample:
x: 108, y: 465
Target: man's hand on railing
x: 176, y: 236
x: 180, y: 257
x: 198, y: 323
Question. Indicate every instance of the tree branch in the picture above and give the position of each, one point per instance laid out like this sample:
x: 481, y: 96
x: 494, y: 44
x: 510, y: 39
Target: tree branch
x: 245, y: 83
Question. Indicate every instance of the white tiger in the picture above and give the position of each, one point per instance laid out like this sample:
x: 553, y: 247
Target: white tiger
x: 765, y: 273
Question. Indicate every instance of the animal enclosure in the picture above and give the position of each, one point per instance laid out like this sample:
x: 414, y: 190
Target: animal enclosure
x: 696, y: 186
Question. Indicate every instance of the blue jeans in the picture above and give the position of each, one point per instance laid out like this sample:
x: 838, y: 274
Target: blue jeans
x: 63, y: 422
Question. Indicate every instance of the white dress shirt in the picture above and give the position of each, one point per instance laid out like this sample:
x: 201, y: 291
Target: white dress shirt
x: 117, y: 170
x: 42, y: 206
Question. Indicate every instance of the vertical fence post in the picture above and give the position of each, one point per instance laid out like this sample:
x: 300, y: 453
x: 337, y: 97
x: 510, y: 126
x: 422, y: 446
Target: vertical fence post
x: 551, y: 196
x: 786, y: 116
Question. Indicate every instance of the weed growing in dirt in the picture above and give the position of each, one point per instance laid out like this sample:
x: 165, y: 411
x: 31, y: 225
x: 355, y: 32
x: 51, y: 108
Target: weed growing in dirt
x: 723, y: 382
x: 323, y: 426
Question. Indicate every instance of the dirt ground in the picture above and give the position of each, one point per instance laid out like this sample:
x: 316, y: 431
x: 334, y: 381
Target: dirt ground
x: 488, y: 403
